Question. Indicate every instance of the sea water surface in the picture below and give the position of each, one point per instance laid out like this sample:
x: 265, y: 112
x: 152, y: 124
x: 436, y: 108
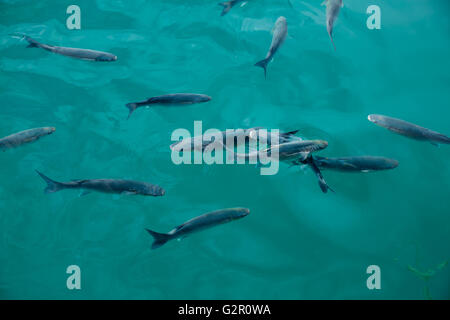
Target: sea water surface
x: 297, y: 243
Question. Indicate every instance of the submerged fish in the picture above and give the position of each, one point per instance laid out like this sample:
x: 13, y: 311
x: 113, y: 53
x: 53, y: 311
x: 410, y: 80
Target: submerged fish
x: 169, y: 99
x: 84, y: 54
x: 204, y: 221
x: 332, y: 12
x: 235, y: 136
x: 287, y: 152
x: 408, y: 129
x: 227, y: 5
x: 279, y: 35
x: 310, y: 161
x: 356, y: 164
x: 23, y: 137
x: 128, y: 187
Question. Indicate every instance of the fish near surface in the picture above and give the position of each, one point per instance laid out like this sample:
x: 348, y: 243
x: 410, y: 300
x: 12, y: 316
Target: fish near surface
x: 356, y: 164
x: 169, y: 99
x: 26, y: 136
x: 279, y: 35
x: 293, y: 151
x: 83, y: 54
x: 128, y: 187
x: 409, y: 129
x: 332, y: 11
x: 199, y: 223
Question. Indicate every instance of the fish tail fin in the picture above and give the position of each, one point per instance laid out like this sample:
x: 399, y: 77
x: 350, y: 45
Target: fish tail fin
x: 324, y: 186
x: 131, y: 107
x: 330, y: 33
x: 263, y: 64
x: 52, y: 186
x: 31, y: 42
x: 226, y: 7
x: 159, y: 238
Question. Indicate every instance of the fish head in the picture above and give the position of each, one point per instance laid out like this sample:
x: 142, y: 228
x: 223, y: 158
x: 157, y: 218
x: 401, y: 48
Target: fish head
x: 106, y: 57
x: 204, y: 98
x: 375, y: 118
x: 320, y: 144
x: 239, y: 213
x: 49, y: 130
x: 150, y: 190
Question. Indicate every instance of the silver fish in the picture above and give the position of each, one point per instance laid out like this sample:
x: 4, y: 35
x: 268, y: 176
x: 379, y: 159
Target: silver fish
x: 279, y: 35
x: 199, y: 223
x: 128, y: 187
x: 23, y: 137
x: 408, y: 129
x: 356, y: 164
x: 288, y: 152
x: 84, y: 54
x: 169, y: 99
x: 332, y: 12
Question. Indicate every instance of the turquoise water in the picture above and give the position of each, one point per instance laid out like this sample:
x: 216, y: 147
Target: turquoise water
x: 297, y: 243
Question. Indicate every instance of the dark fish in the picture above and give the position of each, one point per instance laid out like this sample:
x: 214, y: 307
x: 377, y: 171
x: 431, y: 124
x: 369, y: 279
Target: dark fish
x: 128, y: 187
x: 310, y: 161
x: 408, y: 129
x: 23, y: 137
x: 289, y: 152
x: 202, y: 222
x: 279, y: 35
x: 356, y: 164
x: 84, y: 54
x: 227, y: 5
x: 169, y: 99
x: 332, y: 12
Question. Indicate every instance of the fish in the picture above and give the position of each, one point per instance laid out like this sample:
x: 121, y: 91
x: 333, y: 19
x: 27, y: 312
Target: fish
x: 240, y: 136
x: 356, y: 164
x: 409, y: 130
x: 279, y: 35
x: 287, y: 152
x: 23, y: 137
x: 126, y: 187
x: 199, y: 223
x: 227, y: 5
x: 83, y: 54
x: 169, y: 99
x: 332, y: 11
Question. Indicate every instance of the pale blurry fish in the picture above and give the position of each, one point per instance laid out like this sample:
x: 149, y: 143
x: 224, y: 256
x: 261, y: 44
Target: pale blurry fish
x: 288, y: 152
x: 126, y: 187
x: 279, y: 35
x: 408, y: 129
x: 199, y: 223
x: 84, y: 54
x: 332, y: 12
x: 169, y: 99
x: 23, y: 137
x: 239, y: 136
x: 227, y: 5
x: 356, y: 164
